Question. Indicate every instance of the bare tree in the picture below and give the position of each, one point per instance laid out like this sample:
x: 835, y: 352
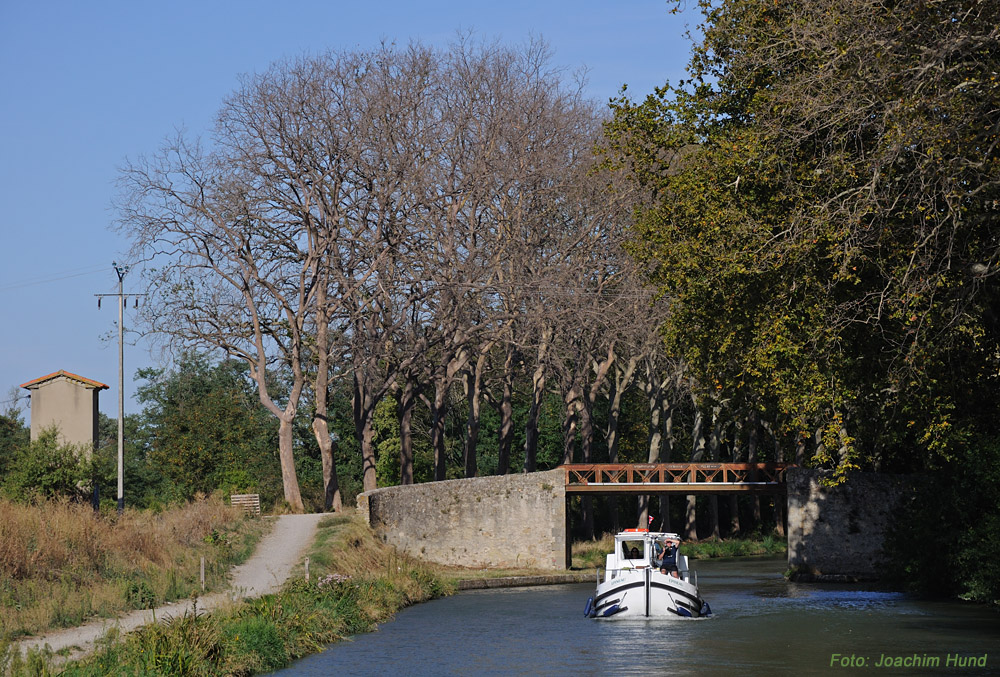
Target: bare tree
x: 229, y: 276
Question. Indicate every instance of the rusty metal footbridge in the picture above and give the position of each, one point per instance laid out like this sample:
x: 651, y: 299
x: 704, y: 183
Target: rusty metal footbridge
x: 682, y: 478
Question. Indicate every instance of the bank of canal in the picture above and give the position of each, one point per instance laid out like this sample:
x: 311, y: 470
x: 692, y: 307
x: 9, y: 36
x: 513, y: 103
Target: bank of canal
x: 763, y: 624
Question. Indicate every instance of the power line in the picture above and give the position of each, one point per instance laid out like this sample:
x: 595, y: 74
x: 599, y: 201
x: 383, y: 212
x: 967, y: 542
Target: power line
x: 77, y: 272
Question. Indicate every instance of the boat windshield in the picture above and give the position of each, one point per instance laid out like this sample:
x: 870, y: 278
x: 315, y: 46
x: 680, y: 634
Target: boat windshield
x: 633, y: 549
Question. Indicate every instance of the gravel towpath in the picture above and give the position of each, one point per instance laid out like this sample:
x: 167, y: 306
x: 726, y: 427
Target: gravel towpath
x: 267, y: 569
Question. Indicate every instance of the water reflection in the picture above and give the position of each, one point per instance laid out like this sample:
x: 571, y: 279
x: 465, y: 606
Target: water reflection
x: 762, y: 624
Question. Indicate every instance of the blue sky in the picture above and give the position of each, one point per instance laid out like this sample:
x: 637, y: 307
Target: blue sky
x: 84, y: 85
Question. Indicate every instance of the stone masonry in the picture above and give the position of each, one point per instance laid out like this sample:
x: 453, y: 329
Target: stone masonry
x: 838, y: 533
x: 504, y: 521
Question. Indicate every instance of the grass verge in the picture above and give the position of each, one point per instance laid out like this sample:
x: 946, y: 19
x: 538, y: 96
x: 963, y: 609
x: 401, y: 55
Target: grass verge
x: 61, y: 564
x: 355, y: 582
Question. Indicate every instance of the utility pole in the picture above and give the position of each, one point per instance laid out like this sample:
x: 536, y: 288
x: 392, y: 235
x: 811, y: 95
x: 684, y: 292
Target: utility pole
x: 121, y: 270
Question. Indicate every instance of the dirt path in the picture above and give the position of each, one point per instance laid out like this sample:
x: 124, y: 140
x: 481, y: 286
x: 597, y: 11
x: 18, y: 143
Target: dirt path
x: 266, y: 570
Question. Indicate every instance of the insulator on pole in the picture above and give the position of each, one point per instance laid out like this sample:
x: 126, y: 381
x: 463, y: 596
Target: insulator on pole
x: 98, y: 302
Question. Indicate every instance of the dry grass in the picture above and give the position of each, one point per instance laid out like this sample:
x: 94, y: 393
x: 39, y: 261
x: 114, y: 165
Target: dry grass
x: 591, y: 554
x: 61, y: 563
x: 345, y: 545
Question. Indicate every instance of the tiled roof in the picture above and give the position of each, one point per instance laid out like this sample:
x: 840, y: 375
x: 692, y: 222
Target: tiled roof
x: 91, y: 383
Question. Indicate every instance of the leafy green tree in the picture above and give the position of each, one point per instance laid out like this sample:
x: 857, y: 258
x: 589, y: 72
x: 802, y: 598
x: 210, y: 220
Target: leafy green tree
x: 144, y: 484
x: 820, y: 207
x: 957, y: 512
x: 14, y: 435
x: 46, y: 468
x: 205, y: 429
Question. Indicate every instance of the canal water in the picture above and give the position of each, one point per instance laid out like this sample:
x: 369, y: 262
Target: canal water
x: 761, y: 625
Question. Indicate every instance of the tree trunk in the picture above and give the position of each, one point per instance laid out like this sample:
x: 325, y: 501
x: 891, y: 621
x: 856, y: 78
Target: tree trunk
x: 621, y: 382
x: 506, y: 433
x: 713, y: 456
x: 438, y: 411
x: 531, y: 424
x: 327, y: 448
x: 587, y: 444
x: 569, y: 428
x: 404, y: 412
x: 586, y: 413
x: 820, y: 445
x: 752, y: 440
x: 733, y: 499
x: 364, y: 410
x: 473, y: 390
x: 537, y: 393
x: 320, y: 422
x: 614, y: 413
x: 471, y: 426
x: 697, y: 455
x: 289, y: 480
x: 654, y: 442
x: 668, y: 454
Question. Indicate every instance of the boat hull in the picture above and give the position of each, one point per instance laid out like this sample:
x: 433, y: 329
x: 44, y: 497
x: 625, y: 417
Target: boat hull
x: 646, y: 593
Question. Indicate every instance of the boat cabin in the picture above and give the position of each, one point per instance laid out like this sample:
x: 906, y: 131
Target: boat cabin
x: 640, y: 548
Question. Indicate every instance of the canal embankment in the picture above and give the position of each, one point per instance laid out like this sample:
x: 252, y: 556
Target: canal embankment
x: 353, y: 582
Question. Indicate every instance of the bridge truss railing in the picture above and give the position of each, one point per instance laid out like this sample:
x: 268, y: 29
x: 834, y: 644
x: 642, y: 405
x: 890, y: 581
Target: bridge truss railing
x: 688, y: 478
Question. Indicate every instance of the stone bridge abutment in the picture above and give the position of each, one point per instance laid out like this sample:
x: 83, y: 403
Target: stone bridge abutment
x: 520, y: 521
x: 498, y: 521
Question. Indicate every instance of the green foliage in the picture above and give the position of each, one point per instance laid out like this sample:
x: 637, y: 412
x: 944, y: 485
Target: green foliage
x: 735, y: 547
x: 947, y: 540
x: 254, y: 645
x: 14, y: 435
x: 46, y: 468
x: 204, y: 429
x: 387, y: 443
x: 145, y: 486
x: 138, y: 595
x: 818, y: 201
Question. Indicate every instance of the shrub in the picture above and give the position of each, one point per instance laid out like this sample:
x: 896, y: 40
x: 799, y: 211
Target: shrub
x: 48, y: 469
x: 253, y: 645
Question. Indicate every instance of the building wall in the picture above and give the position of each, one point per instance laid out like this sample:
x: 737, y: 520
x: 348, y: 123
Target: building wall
x: 838, y: 533
x: 503, y: 521
x: 70, y: 407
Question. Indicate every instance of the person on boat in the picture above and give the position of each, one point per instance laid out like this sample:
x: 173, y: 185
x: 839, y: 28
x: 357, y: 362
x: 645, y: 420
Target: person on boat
x: 668, y: 564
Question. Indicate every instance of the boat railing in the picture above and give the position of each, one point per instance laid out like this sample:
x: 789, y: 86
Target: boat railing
x: 689, y: 575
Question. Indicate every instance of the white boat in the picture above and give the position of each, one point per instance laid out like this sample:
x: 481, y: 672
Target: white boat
x: 646, y: 576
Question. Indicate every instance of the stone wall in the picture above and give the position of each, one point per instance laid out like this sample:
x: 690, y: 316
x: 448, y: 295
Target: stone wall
x: 504, y: 521
x: 838, y: 533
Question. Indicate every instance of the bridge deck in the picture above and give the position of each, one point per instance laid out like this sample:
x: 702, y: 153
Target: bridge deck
x: 683, y: 478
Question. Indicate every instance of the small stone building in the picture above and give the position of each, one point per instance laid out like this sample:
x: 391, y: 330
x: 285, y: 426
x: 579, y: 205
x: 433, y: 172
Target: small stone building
x: 68, y: 402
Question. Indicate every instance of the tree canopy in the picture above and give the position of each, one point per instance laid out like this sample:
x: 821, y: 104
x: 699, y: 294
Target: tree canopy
x: 820, y: 205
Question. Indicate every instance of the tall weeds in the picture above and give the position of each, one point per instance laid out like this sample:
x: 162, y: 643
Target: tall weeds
x: 61, y: 563
x: 357, y: 582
